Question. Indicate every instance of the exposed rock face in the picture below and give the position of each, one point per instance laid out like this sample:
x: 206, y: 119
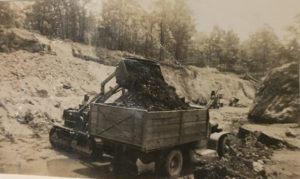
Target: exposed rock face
x: 277, y: 100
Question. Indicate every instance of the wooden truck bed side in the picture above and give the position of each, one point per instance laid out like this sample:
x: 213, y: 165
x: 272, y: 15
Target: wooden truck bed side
x: 126, y: 125
x: 148, y: 130
x: 170, y: 128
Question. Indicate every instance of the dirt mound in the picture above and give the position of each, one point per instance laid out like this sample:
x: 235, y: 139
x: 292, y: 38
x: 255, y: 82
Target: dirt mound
x: 36, y: 87
x: 277, y: 100
x: 13, y: 39
x: 147, y: 89
x: 195, y: 84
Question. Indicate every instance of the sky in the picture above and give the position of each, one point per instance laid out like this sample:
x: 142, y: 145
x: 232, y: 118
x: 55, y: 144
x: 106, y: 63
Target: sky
x: 245, y: 16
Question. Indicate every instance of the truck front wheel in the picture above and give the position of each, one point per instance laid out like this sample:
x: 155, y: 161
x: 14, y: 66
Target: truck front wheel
x: 170, y: 164
x: 224, y: 145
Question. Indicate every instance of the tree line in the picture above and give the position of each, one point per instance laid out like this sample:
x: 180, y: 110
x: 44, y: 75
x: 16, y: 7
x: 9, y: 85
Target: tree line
x: 165, y: 32
x: 67, y: 19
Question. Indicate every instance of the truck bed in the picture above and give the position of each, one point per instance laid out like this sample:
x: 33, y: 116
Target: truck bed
x: 146, y: 130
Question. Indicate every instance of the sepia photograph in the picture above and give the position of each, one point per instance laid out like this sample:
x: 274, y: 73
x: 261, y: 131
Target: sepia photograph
x: 149, y: 89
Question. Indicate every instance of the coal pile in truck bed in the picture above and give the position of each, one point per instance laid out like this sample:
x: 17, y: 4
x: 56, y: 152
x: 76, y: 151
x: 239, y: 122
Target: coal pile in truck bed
x: 147, y: 89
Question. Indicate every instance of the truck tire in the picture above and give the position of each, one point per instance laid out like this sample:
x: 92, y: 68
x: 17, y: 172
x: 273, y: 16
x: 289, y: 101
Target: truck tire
x: 170, y: 164
x: 224, y: 145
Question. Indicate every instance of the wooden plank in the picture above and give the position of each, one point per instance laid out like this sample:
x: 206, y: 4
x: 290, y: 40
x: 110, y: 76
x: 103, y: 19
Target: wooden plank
x: 161, y: 135
x: 199, y: 123
x: 176, y: 120
x: 161, y: 115
x: 163, y: 142
x: 192, y: 131
x: 128, y: 131
x: 195, y: 116
x: 192, y: 137
x: 165, y: 121
x: 157, y: 128
x: 173, y: 130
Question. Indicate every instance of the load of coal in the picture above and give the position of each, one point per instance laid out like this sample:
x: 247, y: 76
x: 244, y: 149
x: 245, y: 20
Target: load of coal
x: 147, y: 89
x: 244, y: 158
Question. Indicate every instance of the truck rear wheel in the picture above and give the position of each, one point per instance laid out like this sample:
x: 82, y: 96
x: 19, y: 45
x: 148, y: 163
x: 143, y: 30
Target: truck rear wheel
x: 170, y: 164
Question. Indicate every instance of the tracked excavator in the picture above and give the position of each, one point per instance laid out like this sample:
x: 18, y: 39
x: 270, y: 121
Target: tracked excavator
x: 73, y: 135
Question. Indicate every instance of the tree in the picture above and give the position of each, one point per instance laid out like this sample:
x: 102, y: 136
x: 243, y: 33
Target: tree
x: 120, y: 27
x: 197, y: 47
x: 213, y: 47
x: 220, y: 49
x: 157, y: 34
x: 7, y: 16
x: 59, y: 18
x: 295, y: 28
x: 182, y: 28
x: 150, y: 32
x: 262, y: 50
x: 176, y: 28
x: 230, y: 49
x: 291, y: 52
x: 162, y: 18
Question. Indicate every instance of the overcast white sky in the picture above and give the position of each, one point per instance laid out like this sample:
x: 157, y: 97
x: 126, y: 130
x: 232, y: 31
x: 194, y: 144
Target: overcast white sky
x: 245, y: 16
x: 242, y: 16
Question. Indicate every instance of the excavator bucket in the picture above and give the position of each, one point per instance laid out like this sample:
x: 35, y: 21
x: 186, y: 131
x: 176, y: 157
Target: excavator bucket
x: 131, y: 70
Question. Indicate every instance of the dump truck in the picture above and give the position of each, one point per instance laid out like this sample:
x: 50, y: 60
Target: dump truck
x: 166, y: 137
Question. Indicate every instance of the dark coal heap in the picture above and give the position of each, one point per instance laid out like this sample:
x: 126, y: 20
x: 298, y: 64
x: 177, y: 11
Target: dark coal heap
x: 239, y: 162
x: 147, y: 89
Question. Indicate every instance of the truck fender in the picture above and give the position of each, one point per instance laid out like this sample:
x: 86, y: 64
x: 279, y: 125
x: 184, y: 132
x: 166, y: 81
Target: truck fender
x: 215, y: 138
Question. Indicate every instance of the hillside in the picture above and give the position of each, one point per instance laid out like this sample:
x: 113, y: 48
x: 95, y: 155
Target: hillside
x: 196, y: 84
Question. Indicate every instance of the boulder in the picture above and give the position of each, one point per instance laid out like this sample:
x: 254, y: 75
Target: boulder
x: 277, y: 99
